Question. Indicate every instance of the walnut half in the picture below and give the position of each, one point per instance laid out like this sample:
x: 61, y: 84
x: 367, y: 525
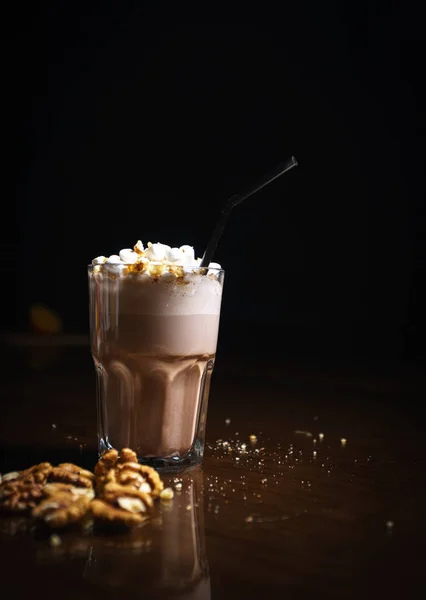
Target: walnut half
x: 125, y: 490
x: 126, y: 471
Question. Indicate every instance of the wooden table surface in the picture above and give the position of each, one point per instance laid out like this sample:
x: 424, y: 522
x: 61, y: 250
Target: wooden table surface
x: 294, y: 514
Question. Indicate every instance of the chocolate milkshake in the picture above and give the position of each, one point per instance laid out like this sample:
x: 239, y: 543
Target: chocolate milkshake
x: 154, y: 327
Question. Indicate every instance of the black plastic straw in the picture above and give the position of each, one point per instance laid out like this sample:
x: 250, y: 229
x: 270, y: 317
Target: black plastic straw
x: 237, y: 199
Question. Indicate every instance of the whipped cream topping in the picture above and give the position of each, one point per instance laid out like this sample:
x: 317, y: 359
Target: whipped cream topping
x: 157, y: 260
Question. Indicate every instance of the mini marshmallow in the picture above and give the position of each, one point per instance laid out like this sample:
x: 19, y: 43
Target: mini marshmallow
x: 99, y: 260
x: 174, y: 255
x: 188, y: 254
x: 129, y: 256
x: 114, y: 264
x: 213, y: 268
x: 114, y: 259
x: 156, y: 252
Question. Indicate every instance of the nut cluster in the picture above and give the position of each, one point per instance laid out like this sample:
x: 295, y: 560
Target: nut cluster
x: 119, y: 494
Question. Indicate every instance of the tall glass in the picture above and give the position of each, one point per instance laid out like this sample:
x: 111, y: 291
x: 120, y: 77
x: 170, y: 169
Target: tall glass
x: 153, y: 342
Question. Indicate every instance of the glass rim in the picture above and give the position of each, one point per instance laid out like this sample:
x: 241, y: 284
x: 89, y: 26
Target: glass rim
x: 194, y: 268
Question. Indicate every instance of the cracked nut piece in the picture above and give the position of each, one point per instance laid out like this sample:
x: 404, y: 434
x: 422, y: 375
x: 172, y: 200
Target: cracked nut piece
x: 73, y: 474
x: 19, y: 496
x: 62, y: 509
x: 105, y: 515
x: 167, y: 494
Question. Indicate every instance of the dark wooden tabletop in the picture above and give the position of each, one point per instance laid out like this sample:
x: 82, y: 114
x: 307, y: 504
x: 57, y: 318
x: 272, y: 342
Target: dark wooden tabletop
x: 327, y: 502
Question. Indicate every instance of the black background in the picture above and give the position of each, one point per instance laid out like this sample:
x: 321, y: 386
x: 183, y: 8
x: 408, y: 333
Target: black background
x: 136, y: 120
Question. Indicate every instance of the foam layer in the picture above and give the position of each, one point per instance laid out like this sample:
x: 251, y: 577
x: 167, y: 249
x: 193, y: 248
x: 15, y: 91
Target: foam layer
x: 143, y: 295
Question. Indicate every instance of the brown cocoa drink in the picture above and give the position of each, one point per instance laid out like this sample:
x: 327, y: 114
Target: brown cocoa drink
x: 154, y: 330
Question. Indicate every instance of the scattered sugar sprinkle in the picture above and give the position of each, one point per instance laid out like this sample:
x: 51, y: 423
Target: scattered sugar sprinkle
x: 55, y: 541
x: 227, y: 421
x: 321, y: 436
x: 178, y: 486
x: 189, y: 507
x: 253, y: 438
x: 389, y: 525
x: 53, y: 425
x: 343, y: 441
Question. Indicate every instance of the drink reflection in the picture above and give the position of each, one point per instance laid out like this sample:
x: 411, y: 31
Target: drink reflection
x: 166, y: 557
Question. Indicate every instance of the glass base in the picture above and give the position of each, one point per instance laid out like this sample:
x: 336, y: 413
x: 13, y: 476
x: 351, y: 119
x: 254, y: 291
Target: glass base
x: 192, y: 458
